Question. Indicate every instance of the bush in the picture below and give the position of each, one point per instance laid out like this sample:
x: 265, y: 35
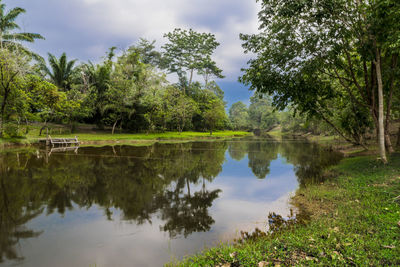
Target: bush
x: 12, y: 130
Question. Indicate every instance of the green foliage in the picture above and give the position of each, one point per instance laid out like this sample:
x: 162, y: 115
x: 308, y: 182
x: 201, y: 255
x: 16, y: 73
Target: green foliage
x: 13, y: 99
x: 10, y: 39
x: 187, y: 52
x: 261, y: 113
x: 181, y: 108
x: 147, y: 52
x: 60, y: 71
x: 215, y: 116
x: 11, y: 130
x: 44, y: 99
x: 239, y: 116
x: 321, y: 57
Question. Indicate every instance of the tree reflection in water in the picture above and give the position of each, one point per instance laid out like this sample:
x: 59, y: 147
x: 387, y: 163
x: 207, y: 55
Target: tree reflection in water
x: 168, y: 179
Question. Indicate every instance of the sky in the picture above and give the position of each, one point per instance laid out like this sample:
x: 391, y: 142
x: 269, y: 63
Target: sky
x: 85, y: 29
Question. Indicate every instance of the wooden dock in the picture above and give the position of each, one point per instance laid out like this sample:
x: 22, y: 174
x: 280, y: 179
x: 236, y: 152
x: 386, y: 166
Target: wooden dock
x: 62, y: 141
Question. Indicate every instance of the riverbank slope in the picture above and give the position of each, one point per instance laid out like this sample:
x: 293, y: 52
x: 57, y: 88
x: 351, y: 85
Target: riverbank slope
x: 355, y: 220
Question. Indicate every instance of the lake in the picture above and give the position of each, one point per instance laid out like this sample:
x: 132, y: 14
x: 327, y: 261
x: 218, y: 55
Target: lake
x: 145, y: 206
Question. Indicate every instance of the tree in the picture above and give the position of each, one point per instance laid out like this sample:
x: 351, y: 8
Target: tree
x: 10, y: 39
x: 261, y: 113
x: 239, y: 116
x: 313, y: 54
x: 12, y: 97
x: 44, y: 100
x: 181, y: 108
x: 119, y: 104
x: 213, y: 87
x: 209, y: 70
x: 60, y: 71
x: 188, y: 52
x: 147, y: 52
x: 215, y: 115
x: 72, y: 108
x: 95, y: 80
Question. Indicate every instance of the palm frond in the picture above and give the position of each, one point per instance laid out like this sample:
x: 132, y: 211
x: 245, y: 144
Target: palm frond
x: 7, y: 26
x: 27, y: 37
x: 13, y: 14
x: 22, y: 49
x: 70, y: 66
x: 60, y: 70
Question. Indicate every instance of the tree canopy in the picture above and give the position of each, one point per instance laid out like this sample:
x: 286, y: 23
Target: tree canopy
x: 317, y: 55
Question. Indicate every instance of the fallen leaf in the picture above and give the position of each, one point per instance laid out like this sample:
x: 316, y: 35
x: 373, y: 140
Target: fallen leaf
x: 233, y: 254
x: 263, y: 264
x: 389, y: 247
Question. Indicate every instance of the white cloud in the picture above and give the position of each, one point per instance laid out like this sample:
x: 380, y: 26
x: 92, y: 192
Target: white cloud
x: 132, y: 19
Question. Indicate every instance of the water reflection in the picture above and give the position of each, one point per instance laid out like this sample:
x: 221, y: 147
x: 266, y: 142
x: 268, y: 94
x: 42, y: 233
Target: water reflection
x: 172, y: 183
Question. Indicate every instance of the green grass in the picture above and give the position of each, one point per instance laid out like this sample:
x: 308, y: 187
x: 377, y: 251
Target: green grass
x: 153, y: 136
x: 355, y: 221
x: 16, y: 140
x: 93, y: 137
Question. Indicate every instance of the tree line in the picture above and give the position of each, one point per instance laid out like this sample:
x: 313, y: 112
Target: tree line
x: 128, y: 89
x: 261, y: 116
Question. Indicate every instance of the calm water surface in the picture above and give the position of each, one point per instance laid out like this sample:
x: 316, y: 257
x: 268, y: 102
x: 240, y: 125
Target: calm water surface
x: 143, y: 206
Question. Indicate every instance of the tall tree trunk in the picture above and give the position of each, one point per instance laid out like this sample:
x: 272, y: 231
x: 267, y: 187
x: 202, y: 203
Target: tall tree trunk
x: 113, y: 128
x: 389, y: 104
x: 388, y: 142
x: 372, y: 92
x: 206, y: 78
x: 188, y: 186
x: 44, y: 127
x: 191, y: 77
x: 382, y: 147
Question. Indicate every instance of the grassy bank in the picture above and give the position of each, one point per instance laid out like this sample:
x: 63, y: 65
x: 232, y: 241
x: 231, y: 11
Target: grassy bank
x: 355, y: 220
x: 98, y: 137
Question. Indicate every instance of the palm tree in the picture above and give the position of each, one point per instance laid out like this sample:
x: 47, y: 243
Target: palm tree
x: 10, y: 39
x: 60, y: 70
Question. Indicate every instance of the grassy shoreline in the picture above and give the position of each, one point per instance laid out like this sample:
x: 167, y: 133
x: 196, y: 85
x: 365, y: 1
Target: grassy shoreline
x: 107, y: 138
x: 355, y: 220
